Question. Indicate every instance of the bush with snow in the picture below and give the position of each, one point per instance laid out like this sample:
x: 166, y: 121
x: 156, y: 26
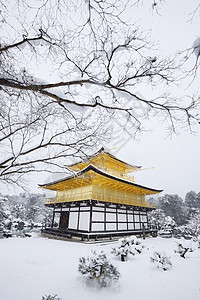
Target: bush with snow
x: 198, y: 241
x: 182, y: 232
x: 165, y: 233
x: 23, y: 212
x: 194, y: 224
x: 160, y: 220
x: 183, y: 249
x: 191, y: 230
x: 161, y: 261
x: 97, y: 268
x: 126, y: 247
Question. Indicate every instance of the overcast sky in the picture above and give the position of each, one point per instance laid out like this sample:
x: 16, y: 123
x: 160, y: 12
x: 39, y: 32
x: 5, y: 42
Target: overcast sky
x: 175, y: 159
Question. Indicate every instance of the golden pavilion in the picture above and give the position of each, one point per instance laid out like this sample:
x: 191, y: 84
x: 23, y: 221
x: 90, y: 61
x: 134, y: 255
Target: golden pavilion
x: 99, y: 199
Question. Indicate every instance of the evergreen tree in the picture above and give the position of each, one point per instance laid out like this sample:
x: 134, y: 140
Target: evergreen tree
x: 98, y: 268
x: 192, y: 203
x: 126, y: 247
x: 191, y: 200
x: 1, y: 213
x: 5, y: 214
x: 173, y: 206
x: 18, y: 211
x: 194, y: 224
x: 160, y: 220
x: 161, y: 261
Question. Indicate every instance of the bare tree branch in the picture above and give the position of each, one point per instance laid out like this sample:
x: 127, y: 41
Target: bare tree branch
x: 67, y: 70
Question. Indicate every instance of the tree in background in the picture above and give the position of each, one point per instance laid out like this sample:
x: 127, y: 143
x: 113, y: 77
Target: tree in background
x: 23, y: 211
x: 172, y: 211
x: 18, y: 211
x: 173, y: 206
x: 192, y: 203
x: 194, y: 224
x: 67, y: 68
x: 159, y: 219
x: 2, y: 212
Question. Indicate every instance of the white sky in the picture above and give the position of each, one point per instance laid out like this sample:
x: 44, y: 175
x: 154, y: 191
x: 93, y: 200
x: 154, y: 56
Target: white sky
x: 176, y: 160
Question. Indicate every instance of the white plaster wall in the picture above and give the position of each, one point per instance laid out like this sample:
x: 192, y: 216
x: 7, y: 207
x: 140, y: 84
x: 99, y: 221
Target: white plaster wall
x: 110, y: 209
x: 99, y: 208
x: 130, y: 226
x: 97, y: 216
x: 137, y: 226
x: 85, y: 208
x: 143, y: 219
x: 111, y: 217
x: 74, y: 208
x: 73, y: 220
x: 121, y: 210
x: 130, y: 218
x: 122, y: 226
x: 111, y: 226
x: 122, y: 217
x: 84, y: 220
x: 97, y: 227
x: 136, y: 217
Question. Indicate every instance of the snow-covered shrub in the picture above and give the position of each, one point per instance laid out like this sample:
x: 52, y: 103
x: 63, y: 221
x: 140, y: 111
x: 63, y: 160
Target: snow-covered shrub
x: 7, y: 233
x: 161, y: 261
x: 194, y: 224
x: 183, y: 232
x: 161, y: 221
x: 50, y: 297
x: 5, y: 214
x: 182, y: 249
x: 127, y: 246
x: 98, y: 268
x: 198, y: 240
x: 165, y: 233
x: 191, y: 230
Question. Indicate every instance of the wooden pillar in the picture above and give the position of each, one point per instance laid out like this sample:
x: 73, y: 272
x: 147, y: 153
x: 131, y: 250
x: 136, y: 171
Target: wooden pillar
x: 127, y: 218
x: 104, y: 217
x: 53, y: 217
x: 143, y: 231
x: 69, y: 214
x: 147, y: 219
x: 60, y: 216
x: 134, y: 218
x: 140, y: 219
x: 90, y: 225
x: 79, y: 208
x: 117, y: 227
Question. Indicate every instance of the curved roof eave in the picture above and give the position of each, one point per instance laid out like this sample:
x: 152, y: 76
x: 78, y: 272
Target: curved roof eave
x: 102, y: 150
x: 96, y: 170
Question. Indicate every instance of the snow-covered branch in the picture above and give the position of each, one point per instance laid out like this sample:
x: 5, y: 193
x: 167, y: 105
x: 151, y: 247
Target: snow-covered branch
x: 67, y: 68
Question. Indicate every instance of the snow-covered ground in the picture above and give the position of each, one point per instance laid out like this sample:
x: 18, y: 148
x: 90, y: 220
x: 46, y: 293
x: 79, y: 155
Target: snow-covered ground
x: 33, y: 267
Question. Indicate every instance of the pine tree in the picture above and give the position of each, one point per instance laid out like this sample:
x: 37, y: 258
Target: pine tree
x: 97, y: 268
x: 127, y: 246
x: 161, y: 260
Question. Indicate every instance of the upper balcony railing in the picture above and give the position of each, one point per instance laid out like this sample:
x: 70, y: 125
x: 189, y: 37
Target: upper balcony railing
x: 118, y: 174
x: 127, y: 200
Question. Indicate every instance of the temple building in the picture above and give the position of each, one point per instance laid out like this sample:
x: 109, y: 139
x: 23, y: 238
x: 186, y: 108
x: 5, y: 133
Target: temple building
x: 99, y: 199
